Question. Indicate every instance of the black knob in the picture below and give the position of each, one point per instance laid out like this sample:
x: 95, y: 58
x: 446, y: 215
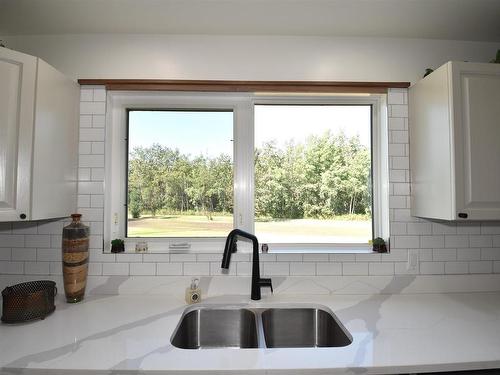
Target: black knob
x: 22, y: 216
x: 462, y: 215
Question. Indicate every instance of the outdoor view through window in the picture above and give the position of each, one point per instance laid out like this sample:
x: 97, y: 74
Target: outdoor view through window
x: 180, y: 173
x: 312, y: 173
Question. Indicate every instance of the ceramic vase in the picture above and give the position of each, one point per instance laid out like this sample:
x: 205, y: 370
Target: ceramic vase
x: 75, y: 259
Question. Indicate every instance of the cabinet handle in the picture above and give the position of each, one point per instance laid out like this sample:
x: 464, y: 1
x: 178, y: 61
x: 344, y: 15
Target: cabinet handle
x: 22, y: 216
x: 462, y: 215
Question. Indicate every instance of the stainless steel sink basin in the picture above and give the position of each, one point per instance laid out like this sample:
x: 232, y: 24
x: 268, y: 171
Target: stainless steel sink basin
x: 215, y: 328
x: 302, y: 328
x: 282, y: 326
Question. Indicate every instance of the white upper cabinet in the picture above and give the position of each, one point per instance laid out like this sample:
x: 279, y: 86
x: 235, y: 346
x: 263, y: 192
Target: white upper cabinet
x: 455, y: 143
x: 38, y: 139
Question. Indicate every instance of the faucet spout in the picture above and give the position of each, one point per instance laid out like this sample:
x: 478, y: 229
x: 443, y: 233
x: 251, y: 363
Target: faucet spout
x: 230, y: 247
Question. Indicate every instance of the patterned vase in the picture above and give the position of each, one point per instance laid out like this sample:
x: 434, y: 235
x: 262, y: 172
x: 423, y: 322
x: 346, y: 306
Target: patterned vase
x: 75, y: 259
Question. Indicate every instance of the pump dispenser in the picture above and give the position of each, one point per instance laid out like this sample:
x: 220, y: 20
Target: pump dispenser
x: 193, y: 293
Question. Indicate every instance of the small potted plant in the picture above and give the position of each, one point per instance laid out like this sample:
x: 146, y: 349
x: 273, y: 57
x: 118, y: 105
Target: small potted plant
x: 379, y: 245
x: 117, y: 246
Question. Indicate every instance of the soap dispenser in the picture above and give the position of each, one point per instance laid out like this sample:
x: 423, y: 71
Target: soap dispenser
x: 193, y: 293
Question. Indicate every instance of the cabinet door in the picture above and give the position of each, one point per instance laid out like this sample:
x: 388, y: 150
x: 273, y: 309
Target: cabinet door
x: 17, y: 93
x: 478, y: 143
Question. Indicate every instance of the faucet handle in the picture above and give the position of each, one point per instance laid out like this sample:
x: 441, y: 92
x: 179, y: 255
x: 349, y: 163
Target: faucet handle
x: 266, y: 282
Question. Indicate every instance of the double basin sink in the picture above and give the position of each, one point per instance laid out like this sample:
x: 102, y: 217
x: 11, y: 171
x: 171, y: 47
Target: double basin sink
x: 220, y: 326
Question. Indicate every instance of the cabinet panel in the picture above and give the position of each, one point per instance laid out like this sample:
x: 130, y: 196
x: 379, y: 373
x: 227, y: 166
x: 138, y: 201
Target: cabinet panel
x: 480, y: 120
x: 17, y: 75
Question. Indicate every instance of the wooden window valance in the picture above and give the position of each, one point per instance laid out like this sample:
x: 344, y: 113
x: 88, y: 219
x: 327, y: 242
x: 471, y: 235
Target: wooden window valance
x: 245, y: 86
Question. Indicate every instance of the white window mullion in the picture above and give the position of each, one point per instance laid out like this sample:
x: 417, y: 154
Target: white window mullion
x: 244, y: 167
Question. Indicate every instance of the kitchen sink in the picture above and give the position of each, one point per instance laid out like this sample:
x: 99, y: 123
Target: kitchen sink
x: 246, y: 327
x: 216, y: 328
x: 302, y: 328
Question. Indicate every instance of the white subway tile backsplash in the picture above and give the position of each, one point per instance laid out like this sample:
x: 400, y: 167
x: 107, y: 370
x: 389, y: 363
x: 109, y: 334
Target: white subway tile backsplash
x: 419, y: 228
x: 399, y: 136
x: 406, y: 242
x: 328, y: 269
x: 37, y: 240
x: 444, y: 254
x: 492, y: 227
x: 183, y: 257
x: 37, y: 268
x: 315, y: 257
x: 399, y: 110
x: 86, y: 95
x: 98, y: 121
x: 276, y: 268
x: 85, y: 121
x: 92, y: 108
x: 97, y: 148
x: 197, y: 269
x: 5, y: 253
x: 456, y: 267
x: 432, y: 241
x: 97, y: 174
x: 155, y: 258
x: 369, y: 257
x: 25, y: 228
x: 468, y: 228
x: 492, y: 253
x: 95, y: 269
x: 84, y: 148
x: 342, y: 257
x: 396, y: 123
x: 425, y: 255
x: 55, y: 268
x: 97, y: 201
x: 91, y: 161
x: 83, y: 200
x: 444, y: 228
x: 12, y: 268
x: 468, y: 254
x: 24, y: 254
x: 353, y: 269
x: 302, y: 269
x: 169, y: 269
x: 481, y: 267
x: 129, y: 257
x: 289, y: 257
x: 91, y: 134
x: 11, y: 240
x: 49, y: 255
x: 381, y: 268
x: 481, y: 240
x: 142, y: 269
x: 100, y: 95
x: 432, y: 268
x: 115, y: 269
x: 458, y: 241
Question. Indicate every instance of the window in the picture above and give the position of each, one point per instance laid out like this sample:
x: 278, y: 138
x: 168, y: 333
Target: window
x: 180, y: 173
x: 313, y: 173
x: 304, y: 173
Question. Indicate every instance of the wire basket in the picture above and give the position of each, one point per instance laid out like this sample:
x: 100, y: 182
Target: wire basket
x: 28, y: 301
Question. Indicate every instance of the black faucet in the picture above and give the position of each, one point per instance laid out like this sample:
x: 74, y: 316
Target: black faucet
x: 257, y: 281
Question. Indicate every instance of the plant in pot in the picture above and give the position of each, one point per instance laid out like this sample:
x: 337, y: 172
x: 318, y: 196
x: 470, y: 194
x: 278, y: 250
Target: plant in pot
x: 117, y: 246
x: 379, y: 245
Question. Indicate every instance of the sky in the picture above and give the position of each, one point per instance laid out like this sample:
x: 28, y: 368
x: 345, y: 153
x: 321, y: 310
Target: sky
x: 210, y: 133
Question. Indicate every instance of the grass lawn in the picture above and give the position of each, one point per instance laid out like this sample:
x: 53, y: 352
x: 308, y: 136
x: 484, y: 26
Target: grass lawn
x: 296, y: 230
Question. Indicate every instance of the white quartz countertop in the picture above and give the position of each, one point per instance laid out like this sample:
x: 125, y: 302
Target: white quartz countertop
x: 130, y: 333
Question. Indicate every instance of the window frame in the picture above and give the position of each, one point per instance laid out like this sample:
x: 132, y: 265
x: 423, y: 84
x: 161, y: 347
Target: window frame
x: 242, y: 105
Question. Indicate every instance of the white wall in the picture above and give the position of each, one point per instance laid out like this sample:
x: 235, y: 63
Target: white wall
x: 246, y: 57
